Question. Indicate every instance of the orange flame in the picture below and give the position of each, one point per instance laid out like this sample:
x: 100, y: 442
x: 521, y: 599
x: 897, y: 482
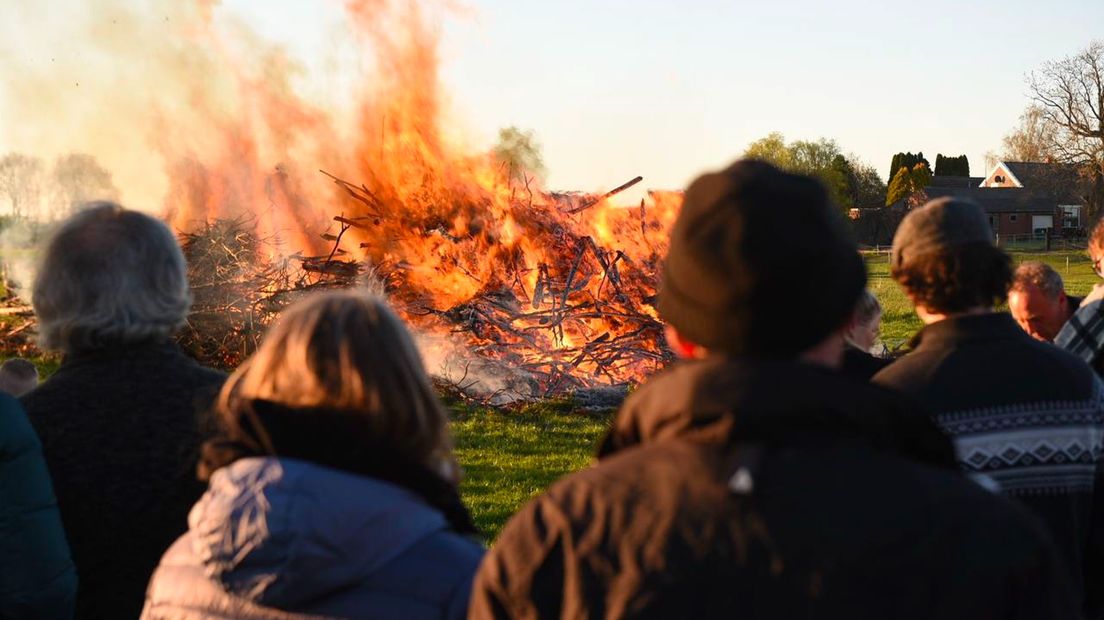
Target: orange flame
x: 449, y: 226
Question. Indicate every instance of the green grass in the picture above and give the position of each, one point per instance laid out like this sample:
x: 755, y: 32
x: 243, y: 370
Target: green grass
x: 510, y: 457
x: 899, y: 322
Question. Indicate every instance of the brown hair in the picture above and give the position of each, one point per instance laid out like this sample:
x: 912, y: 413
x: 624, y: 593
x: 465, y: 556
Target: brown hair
x: 344, y: 352
x: 957, y: 278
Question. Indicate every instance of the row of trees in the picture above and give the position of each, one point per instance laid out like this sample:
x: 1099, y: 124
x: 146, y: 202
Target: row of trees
x: 851, y: 182
x: 948, y: 166
x: 30, y: 190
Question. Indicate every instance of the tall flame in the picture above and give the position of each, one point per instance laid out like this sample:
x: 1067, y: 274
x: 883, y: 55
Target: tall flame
x: 451, y: 226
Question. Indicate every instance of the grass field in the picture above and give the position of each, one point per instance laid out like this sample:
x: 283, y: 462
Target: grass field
x: 510, y: 456
x: 899, y: 322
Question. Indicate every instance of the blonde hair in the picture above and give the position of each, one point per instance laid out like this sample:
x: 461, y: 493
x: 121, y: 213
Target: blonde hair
x: 345, y: 351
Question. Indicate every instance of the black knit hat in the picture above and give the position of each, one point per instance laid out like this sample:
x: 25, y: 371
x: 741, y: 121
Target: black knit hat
x: 760, y: 264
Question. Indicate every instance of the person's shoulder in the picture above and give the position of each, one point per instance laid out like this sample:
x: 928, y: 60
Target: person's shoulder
x: 902, y: 372
x: 16, y: 433
x: 443, y: 556
x: 195, y: 372
x: 1070, y: 369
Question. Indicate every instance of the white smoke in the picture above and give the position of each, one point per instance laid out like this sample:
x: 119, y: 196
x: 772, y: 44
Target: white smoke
x: 19, y: 249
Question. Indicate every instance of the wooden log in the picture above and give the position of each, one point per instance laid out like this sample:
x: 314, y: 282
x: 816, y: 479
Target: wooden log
x: 613, y: 192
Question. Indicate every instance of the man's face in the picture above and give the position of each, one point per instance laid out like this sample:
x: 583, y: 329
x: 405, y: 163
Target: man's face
x: 1096, y: 253
x: 1039, y: 315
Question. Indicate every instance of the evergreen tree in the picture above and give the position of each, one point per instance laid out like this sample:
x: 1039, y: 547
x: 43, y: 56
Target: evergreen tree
x: 907, y: 160
x: 947, y: 166
x: 908, y: 182
x: 898, y: 186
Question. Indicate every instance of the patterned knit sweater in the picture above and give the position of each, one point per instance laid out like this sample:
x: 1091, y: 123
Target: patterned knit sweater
x: 1025, y: 417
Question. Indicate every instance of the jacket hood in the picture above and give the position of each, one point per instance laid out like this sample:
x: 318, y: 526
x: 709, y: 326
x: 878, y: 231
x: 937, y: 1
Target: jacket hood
x: 773, y: 402
x: 283, y: 532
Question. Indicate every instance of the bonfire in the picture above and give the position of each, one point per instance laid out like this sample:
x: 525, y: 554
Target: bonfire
x: 525, y: 299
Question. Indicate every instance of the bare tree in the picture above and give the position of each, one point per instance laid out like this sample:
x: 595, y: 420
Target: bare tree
x: 1070, y: 96
x: 78, y: 178
x: 1032, y: 140
x: 21, y: 178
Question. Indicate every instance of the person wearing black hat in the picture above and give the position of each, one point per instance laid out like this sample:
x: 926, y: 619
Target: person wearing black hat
x: 1025, y: 416
x: 751, y: 479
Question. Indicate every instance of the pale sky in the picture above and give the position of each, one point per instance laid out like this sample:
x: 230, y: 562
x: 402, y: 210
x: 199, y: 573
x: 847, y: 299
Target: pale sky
x: 669, y: 89
x: 665, y: 89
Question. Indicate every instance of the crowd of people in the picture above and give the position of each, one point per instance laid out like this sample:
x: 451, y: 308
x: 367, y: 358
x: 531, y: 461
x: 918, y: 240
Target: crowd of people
x: 777, y: 470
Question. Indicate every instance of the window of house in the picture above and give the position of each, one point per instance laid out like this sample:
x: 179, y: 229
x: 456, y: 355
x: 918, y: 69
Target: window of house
x: 998, y: 179
x: 1013, y: 217
x: 1071, y: 216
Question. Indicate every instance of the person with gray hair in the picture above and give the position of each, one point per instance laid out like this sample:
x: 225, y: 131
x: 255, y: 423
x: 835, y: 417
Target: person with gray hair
x: 120, y: 419
x: 1038, y: 300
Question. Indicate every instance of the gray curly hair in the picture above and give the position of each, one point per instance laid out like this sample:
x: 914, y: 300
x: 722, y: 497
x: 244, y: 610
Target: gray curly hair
x: 1040, y: 274
x: 110, y: 276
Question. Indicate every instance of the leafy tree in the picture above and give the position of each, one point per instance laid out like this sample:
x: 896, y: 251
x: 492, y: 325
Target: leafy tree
x: 818, y: 158
x: 79, y: 178
x: 908, y: 182
x: 21, y: 178
x: 519, y: 153
x: 847, y: 183
x: 772, y: 149
x: 1069, y: 94
x: 870, y: 191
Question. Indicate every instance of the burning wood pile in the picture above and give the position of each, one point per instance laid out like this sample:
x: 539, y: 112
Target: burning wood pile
x: 240, y: 282
x: 530, y: 296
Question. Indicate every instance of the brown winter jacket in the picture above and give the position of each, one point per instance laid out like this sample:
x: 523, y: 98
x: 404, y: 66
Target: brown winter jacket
x: 770, y: 490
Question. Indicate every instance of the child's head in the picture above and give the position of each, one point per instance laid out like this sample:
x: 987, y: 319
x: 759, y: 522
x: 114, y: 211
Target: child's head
x: 17, y: 377
x: 866, y: 323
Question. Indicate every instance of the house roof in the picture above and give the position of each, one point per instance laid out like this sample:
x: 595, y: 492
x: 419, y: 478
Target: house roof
x: 948, y: 181
x: 1062, y: 181
x: 1000, y: 199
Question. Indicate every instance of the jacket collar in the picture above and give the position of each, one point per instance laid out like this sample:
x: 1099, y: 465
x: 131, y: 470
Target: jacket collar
x: 963, y: 329
x: 775, y: 403
x: 145, y: 349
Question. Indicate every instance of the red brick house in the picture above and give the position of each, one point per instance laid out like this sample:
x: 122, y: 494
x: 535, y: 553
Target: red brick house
x: 1021, y: 198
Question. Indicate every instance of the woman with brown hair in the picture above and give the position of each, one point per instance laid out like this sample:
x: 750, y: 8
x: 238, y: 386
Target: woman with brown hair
x: 333, y: 492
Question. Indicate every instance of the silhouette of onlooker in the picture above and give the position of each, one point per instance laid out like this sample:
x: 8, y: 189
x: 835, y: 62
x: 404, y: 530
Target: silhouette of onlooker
x: 119, y: 418
x: 333, y: 493
x: 37, y: 579
x: 751, y: 480
x: 861, y: 335
x: 17, y: 377
x: 1038, y: 300
x: 1021, y: 413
